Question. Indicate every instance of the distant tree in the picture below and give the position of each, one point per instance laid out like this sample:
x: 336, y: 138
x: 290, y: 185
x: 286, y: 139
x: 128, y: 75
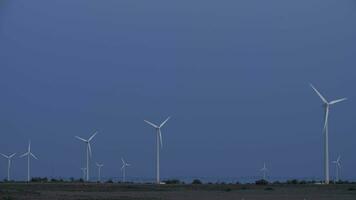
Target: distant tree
x: 109, y: 181
x: 292, y: 182
x: 173, y: 181
x: 196, y: 182
x: 261, y: 182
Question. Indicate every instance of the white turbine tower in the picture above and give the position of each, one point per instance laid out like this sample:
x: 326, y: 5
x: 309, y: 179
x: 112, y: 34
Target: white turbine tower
x: 8, y: 163
x: 84, y: 172
x: 29, y: 154
x: 88, y: 147
x: 99, y: 171
x: 123, y: 169
x: 338, y: 167
x: 159, y: 141
x: 326, y: 105
x: 264, y: 171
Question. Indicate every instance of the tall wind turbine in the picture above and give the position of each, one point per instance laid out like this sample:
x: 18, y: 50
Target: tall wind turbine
x: 337, y: 166
x: 29, y: 154
x: 8, y: 163
x: 159, y: 141
x: 88, y: 147
x: 326, y: 105
x: 99, y: 171
x: 123, y: 169
x: 84, y: 170
x: 264, y: 171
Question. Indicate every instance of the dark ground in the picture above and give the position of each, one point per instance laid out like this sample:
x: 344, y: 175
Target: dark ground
x: 71, y: 191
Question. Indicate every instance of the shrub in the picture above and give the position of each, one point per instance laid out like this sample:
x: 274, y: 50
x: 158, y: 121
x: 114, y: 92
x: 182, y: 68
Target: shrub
x: 173, y: 181
x: 261, y: 182
x: 196, y: 182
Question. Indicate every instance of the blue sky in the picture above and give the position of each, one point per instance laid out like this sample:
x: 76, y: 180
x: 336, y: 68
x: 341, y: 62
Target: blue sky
x: 234, y: 76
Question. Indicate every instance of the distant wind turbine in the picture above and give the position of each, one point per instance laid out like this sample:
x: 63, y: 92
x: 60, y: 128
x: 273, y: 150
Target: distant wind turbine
x: 338, y: 167
x: 84, y: 170
x: 326, y: 105
x: 29, y: 154
x: 159, y: 141
x: 88, y: 147
x: 264, y: 171
x: 99, y: 170
x: 8, y: 163
x: 123, y: 169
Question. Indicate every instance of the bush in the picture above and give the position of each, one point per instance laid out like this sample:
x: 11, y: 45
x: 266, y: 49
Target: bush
x: 172, y: 181
x: 292, y: 182
x: 39, y: 179
x: 109, y: 181
x: 261, y: 182
x: 196, y: 182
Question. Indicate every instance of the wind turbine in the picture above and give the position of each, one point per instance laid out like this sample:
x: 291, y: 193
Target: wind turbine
x: 123, y: 169
x: 326, y: 105
x: 264, y: 171
x: 99, y: 170
x: 8, y: 163
x: 84, y: 172
x: 87, y: 142
x: 159, y: 141
x: 29, y: 154
x: 337, y: 166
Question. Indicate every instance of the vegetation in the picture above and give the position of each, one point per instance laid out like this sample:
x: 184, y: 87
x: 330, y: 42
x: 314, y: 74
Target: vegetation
x: 196, y: 182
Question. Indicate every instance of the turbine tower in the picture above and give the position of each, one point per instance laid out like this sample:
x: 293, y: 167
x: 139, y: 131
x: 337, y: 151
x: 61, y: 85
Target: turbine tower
x: 99, y: 171
x: 264, y: 171
x: 29, y: 154
x: 338, y: 167
x: 8, y: 163
x: 123, y: 169
x: 84, y: 170
x: 159, y: 141
x: 88, y: 147
x: 326, y: 105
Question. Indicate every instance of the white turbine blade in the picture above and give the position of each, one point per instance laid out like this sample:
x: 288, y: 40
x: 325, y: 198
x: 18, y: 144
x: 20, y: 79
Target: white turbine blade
x: 122, y: 167
x: 165, y: 121
x: 150, y: 123
x: 79, y: 138
x: 33, y: 156
x: 96, y: 132
x: 29, y: 146
x: 25, y: 154
x: 337, y: 101
x: 326, y: 117
x: 89, y: 147
x: 12, y: 155
x: 4, y: 155
x: 128, y: 164
x: 160, y: 138
x: 317, y: 92
x: 123, y: 161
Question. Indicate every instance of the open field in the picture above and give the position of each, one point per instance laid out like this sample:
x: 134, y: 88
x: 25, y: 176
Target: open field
x: 71, y: 191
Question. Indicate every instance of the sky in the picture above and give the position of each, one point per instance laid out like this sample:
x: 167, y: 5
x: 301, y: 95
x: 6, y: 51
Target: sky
x: 233, y: 75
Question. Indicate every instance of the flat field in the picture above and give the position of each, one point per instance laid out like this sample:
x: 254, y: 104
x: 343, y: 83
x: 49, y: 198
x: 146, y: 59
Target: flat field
x: 71, y: 191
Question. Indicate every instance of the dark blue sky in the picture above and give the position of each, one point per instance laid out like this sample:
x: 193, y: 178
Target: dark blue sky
x: 233, y: 75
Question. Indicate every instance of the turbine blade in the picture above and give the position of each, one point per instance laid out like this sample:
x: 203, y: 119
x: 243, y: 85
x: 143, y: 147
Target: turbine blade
x: 150, y: 123
x: 165, y: 121
x: 89, y: 147
x: 4, y: 155
x: 96, y: 132
x: 12, y: 155
x: 317, y: 92
x: 79, y: 138
x: 25, y: 154
x: 123, y: 161
x: 160, y: 138
x: 326, y: 117
x: 33, y: 156
x: 338, y: 159
x: 337, y: 101
x: 29, y: 146
x: 122, y: 167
